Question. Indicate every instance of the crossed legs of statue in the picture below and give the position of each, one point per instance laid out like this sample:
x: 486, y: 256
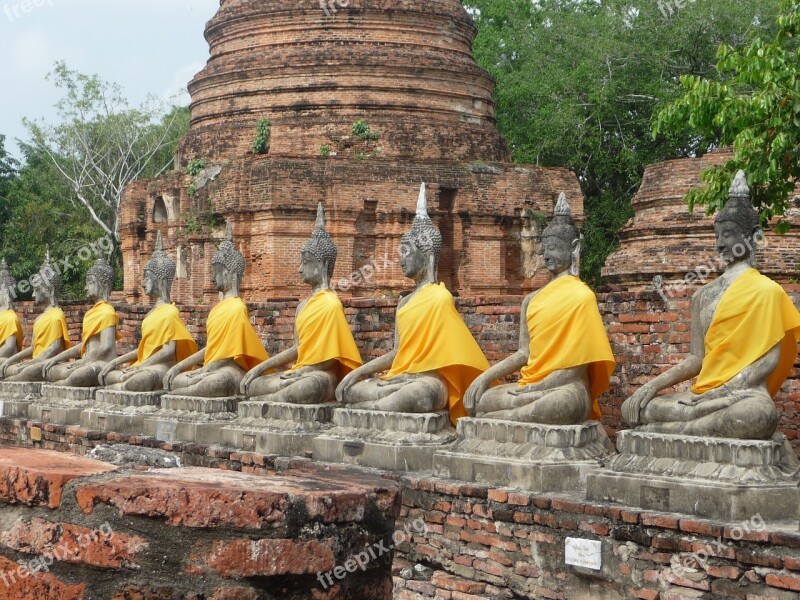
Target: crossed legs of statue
x: 418, y: 393
x: 749, y: 415
x: 23, y: 373
x: 315, y: 387
x: 148, y: 379
x: 76, y: 374
x: 565, y: 405
x: 219, y: 383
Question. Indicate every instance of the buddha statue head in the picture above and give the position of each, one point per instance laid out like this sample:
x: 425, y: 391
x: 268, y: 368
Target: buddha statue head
x: 318, y: 255
x: 561, y: 240
x: 8, y: 286
x: 99, y: 281
x: 420, y: 247
x: 228, y: 264
x: 159, y: 273
x: 737, y: 225
x: 47, y: 284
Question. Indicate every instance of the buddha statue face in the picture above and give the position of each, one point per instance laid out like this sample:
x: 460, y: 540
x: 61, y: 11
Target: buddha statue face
x: 41, y: 293
x: 557, y: 253
x: 222, y: 278
x: 150, y: 284
x: 312, y: 269
x: 413, y: 260
x: 733, y: 243
x: 94, y: 289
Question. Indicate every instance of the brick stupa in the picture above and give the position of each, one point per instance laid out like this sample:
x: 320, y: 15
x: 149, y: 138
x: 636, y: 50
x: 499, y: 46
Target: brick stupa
x: 405, y: 67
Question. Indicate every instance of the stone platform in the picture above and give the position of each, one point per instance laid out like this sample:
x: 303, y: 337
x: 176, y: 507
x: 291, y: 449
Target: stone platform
x: 191, y: 419
x: 120, y: 411
x: 384, y: 440
x: 277, y: 428
x: 62, y: 404
x: 16, y: 397
x: 725, y: 479
x: 529, y: 456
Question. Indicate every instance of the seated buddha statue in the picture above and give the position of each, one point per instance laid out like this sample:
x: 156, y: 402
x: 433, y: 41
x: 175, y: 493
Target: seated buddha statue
x: 564, y: 354
x: 10, y: 327
x: 98, y: 336
x: 165, y: 339
x: 744, y: 334
x: 50, y: 333
x: 435, y: 358
x: 232, y: 348
x: 324, y: 350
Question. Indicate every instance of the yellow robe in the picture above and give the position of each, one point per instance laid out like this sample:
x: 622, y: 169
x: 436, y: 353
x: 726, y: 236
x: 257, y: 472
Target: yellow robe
x: 164, y: 325
x: 323, y: 334
x: 10, y: 326
x: 753, y: 315
x: 434, y: 337
x: 101, y: 316
x: 567, y: 331
x: 230, y: 335
x: 50, y: 327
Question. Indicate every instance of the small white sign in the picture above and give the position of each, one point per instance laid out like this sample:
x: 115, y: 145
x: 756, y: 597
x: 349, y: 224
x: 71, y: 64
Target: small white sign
x: 583, y: 553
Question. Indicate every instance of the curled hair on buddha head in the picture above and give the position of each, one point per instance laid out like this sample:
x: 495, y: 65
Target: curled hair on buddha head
x: 49, y: 275
x: 7, y: 282
x: 320, y: 245
x: 739, y: 207
x: 227, y: 255
x: 423, y: 233
x: 563, y: 225
x: 161, y: 265
x: 103, y: 272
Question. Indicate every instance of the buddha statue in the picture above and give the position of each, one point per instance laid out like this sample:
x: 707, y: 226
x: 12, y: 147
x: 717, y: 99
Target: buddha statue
x: 435, y: 358
x: 233, y: 346
x: 165, y: 339
x: 50, y: 333
x: 324, y: 350
x: 564, y: 353
x: 98, y: 336
x: 744, y: 334
x: 10, y: 327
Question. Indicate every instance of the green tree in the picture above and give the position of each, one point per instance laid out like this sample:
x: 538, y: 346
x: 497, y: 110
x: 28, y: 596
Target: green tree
x: 8, y: 171
x: 579, y: 83
x: 752, y: 104
x: 102, y: 143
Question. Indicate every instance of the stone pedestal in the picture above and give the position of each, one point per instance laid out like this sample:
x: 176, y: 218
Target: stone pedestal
x: 191, y: 419
x: 16, y: 397
x: 384, y: 440
x: 61, y: 404
x: 278, y: 428
x: 529, y: 456
x: 122, y: 412
x: 716, y: 478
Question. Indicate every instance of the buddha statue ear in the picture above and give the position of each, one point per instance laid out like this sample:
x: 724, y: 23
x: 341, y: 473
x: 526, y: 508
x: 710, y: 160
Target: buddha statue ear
x: 574, y: 267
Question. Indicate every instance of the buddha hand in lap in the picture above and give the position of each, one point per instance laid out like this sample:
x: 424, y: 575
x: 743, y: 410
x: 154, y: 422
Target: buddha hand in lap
x: 50, y: 334
x: 564, y: 354
x: 744, y: 335
x: 233, y: 347
x: 324, y: 350
x: 435, y: 357
x: 165, y: 339
x: 98, y: 338
x: 10, y: 327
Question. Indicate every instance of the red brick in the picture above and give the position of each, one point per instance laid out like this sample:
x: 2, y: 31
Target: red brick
x: 264, y: 558
x: 785, y: 582
x: 701, y: 527
x: 451, y: 582
x: 657, y: 520
x: 21, y: 584
x: 38, y: 478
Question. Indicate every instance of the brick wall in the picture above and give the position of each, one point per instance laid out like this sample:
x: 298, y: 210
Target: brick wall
x: 74, y: 528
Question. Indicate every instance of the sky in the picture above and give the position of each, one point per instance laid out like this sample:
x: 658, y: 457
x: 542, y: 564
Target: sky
x: 146, y: 46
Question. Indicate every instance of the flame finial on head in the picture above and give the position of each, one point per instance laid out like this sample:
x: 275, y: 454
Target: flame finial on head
x: 161, y: 265
x: 422, y: 202
x: 562, y: 206
x: 739, y: 207
x: 424, y: 234
x: 227, y: 255
x: 49, y: 275
x: 562, y: 225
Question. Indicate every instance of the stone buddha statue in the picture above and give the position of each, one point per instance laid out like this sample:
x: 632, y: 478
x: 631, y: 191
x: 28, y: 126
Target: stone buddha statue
x: 435, y: 358
x: 233, y: 346
x: 165, y: 339
x: 98, y: 337
x: 50, y: 333
x: 10, y: 326
x: 564, y: 353
x: 324, y: 350
x: 744, y: 334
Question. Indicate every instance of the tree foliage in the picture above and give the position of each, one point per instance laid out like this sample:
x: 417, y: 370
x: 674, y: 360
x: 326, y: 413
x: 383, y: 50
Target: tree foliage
x: 579, y: 83
x: 102, y: 143
x: 753, y: 105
